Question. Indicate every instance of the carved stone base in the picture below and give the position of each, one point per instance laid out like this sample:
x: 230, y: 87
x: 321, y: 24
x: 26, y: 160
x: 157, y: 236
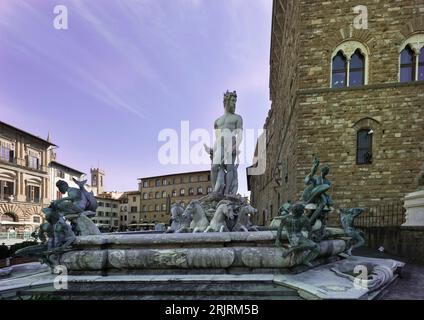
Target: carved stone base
x: 225, y: 251
x: 331, y: 280
x: 414, y: 205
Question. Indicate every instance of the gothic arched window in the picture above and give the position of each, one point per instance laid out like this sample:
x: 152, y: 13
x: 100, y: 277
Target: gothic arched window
x: 411, y: 59
x: 349, y: 64
x: 339, y: 72
x: 407, y: 65
x: 364, y: 146
x: 357, y: 69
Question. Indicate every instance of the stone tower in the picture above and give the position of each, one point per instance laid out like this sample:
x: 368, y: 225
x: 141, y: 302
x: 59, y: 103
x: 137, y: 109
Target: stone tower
x: 350, y: 94
x: 52, y: 150
x: 97, y: 180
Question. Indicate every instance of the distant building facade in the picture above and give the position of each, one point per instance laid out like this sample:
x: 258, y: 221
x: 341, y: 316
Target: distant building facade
x: 29, y: 172
x: 133, y: 207
x: 24, y: 178
x: 352, y: 97
x: 107, y: 213
x: 123, y: 211
x: 160, y: 192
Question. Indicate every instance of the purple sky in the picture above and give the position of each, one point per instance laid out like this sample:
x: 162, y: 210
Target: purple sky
x: 125, y: 70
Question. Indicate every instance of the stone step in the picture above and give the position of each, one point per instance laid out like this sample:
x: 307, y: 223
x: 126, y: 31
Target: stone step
x: 163, y: 291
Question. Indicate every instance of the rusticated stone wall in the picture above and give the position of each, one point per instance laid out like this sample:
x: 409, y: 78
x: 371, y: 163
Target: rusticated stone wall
x: 328, y: 127
x: 314, y: 119
x: 267, y: 193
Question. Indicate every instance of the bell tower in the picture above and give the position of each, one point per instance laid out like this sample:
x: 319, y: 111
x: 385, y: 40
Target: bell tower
x: 97, y: 180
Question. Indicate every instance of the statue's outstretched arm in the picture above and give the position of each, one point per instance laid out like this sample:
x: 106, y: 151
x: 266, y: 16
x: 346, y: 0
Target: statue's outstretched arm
x: 314, y: 169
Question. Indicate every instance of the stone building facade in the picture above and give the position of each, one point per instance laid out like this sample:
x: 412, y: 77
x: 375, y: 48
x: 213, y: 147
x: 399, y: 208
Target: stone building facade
x: 24, y: 178
x: 133, y: 208
x: 107, y: 213
x: 353, y: 97
x: 159, y: 193
x: 29, y: 171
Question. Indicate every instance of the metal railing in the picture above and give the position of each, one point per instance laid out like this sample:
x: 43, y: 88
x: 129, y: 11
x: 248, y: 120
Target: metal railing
x: 15, y: 235
x: 390, y: 214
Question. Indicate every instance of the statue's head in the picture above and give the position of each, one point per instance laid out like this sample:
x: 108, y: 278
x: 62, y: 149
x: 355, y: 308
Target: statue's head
x: 325, y: 170
x: 50, y: 215
x: 230, y: 99
x: 62, y: 186
x: 176, y: 210
x: 285, y: 208
x: 298, y: 209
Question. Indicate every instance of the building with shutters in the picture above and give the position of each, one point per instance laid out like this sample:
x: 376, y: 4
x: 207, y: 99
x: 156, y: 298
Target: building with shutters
x: 160, y: 192
x: 24, y: 178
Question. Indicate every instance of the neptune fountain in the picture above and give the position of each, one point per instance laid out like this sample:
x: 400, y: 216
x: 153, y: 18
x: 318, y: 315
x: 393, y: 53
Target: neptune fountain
x: 214, y: 236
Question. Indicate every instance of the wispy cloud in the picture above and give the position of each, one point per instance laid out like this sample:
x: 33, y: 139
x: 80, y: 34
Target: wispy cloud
x: 104, y: 24
x: 103, y: 92
x: 161, y: 61
x: 86, y: 81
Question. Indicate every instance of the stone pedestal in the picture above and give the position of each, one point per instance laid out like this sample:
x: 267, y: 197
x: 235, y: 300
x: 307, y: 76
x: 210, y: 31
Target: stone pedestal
x: 223, y: 252
x: 414, y: 205
x: 335, y: 280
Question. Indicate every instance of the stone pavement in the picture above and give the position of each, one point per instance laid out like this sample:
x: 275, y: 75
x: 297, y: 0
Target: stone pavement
x: 410, y: 286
